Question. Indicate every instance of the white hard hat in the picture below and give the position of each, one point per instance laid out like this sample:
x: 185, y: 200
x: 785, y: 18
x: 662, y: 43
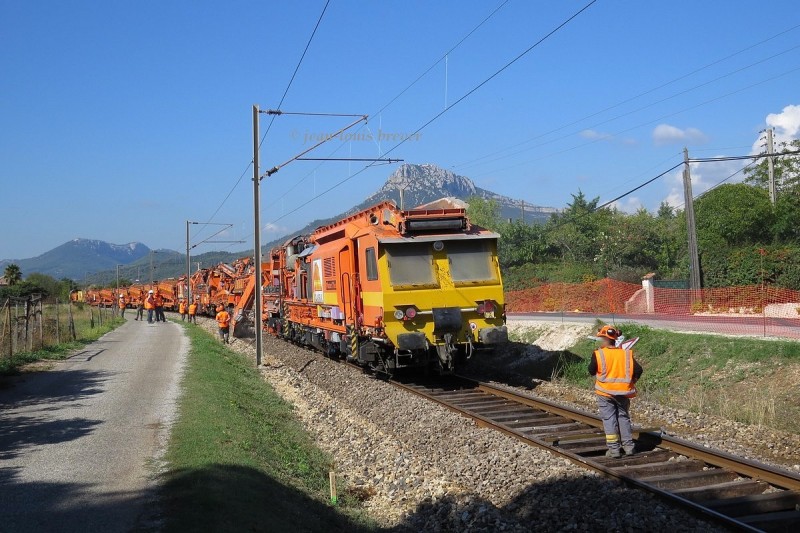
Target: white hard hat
x: 121, y: 296
x: 150, y: 291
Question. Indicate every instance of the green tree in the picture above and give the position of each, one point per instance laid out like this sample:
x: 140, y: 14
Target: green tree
x: 521, y: 244
x: 787, y: 217
x: 43, y: 284
x: 574, y: 233
x: 484, y: 213
x: 786, y: 169
x: 734, y: 215
x: 13, y: 274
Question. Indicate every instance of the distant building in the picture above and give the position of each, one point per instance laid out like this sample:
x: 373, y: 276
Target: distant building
x: 3, y: 281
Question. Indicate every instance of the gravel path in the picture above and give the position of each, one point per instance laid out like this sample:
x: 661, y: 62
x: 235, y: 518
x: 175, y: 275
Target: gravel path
x: 80, y: 445
x: 419, y: 467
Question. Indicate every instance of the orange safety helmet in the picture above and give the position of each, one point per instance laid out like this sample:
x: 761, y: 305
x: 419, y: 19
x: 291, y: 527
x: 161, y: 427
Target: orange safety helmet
x: 608, y: 332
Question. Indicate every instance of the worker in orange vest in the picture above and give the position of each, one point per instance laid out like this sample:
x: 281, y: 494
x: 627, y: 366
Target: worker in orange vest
x: 224, y: 322
x: 616, y: 373
x: 182, y: 309
x: 160, y: 308
x: 150, y: 305
x: 193, y: 312
x: 122, y: 305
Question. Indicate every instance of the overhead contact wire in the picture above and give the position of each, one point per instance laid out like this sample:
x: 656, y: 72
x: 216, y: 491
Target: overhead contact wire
x: 285, y: 92
x: 446, y: 109
x: 397, y: 96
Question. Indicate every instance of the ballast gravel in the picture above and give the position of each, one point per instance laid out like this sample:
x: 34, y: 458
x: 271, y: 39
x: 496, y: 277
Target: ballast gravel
x: 419, y: 467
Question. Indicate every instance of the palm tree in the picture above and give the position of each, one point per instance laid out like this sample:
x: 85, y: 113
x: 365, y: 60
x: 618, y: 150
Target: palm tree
x: 13, y: 274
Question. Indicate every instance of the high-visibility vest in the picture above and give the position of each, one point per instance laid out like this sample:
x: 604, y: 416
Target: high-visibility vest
x: 150, y: 302
x: 192, y: 309
x: 614, y: 372
x: 122, y: 303
x: 159, y: 301
x: 182, y: 308
x: 223, y: 319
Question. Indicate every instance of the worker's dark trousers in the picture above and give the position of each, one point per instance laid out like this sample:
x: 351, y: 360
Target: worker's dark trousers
x: 616, y: 420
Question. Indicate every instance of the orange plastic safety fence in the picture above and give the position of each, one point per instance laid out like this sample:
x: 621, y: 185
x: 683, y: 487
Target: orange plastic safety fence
x: 750, y: 310
x: 603, y: 296
x: 611, y: 296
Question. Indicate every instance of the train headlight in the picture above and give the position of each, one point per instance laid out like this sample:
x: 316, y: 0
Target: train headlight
x: 411, y: 312
x: 399, y: 314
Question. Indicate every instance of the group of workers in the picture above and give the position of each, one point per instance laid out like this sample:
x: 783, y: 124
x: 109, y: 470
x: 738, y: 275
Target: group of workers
x: 154, y: 304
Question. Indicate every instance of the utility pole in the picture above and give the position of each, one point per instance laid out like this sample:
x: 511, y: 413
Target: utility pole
x: 771, y: 167
x: 694, y: 260
x: 114, y: 304
x: 257, y: 238
x: 188, y: 265
x: 523, y: 211
x: 152, y: 252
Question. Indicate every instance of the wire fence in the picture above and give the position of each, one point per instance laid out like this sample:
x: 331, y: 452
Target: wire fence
x: 33, y: 323
x: 748, y: 310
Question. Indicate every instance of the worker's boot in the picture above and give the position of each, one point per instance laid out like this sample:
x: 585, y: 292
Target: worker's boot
x: 614, y: 453
x: 629, y: 450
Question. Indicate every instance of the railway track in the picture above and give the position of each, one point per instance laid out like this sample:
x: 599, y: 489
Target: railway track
x: 735, y: 492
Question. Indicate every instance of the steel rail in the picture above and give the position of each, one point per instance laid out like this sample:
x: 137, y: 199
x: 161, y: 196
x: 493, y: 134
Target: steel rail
x: 772, y: 475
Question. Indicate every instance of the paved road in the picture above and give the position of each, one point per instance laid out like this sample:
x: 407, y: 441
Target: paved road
x: 788, y: 328
x: 79, y: 444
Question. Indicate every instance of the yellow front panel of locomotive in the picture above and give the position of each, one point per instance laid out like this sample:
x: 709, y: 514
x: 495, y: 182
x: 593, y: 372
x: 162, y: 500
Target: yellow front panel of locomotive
x: 465, y: 297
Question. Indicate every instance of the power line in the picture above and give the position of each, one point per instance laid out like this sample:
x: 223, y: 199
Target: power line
x: 397, y: 96
x: 285, y: 92
x: 618, y: 104
x: 658, y: 119
x: 474, y: 162
x: 446, y: 109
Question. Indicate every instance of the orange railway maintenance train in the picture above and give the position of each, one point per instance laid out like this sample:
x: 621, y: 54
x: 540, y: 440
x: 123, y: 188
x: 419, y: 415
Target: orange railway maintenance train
x: 386, y: 288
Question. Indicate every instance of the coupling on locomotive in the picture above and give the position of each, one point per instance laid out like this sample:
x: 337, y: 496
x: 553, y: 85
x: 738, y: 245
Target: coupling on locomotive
x: 390, y: 289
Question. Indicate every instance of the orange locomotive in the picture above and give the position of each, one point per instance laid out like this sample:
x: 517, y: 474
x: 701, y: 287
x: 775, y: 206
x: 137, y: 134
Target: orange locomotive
x: 389, y: 288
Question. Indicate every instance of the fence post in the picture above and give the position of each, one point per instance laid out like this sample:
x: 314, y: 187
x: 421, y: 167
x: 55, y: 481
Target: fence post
x: 28, y: 335
x: 71, y: 323
x: 14, y: 334
x: 58, y: 330
x: 91, y: 317
x: 41, y: 323
x: 8, y: 327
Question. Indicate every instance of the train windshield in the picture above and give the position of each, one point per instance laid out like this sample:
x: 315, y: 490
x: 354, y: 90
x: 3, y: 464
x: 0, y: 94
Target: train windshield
x: 411, y: 263
x: 470, y: 260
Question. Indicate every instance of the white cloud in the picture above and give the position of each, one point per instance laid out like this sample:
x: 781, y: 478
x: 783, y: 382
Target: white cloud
x: 674, y: 199
x: 666, y: 134
x: 786, y: 125
x: 275, y: 228
x: 704, y: 177
x: 628, y: 205
x: 596, y: 135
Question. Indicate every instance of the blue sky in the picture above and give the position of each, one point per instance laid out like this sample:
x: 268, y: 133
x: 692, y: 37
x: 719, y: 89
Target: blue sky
x: 122, y: 120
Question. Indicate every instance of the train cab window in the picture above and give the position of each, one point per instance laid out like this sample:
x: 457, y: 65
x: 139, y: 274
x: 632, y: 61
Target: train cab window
x: 410, y: 264
x: 372, y: 264
x: 470, y: 260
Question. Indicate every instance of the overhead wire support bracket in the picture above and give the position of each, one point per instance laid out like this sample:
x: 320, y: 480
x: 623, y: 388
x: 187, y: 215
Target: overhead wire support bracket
x: 276, y: 168
x: 378, y: 160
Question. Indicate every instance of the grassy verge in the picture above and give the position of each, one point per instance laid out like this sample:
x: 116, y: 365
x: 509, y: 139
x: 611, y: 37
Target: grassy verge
x: 753, y: 381
x: 87, y: 330
x: 238, y: 460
